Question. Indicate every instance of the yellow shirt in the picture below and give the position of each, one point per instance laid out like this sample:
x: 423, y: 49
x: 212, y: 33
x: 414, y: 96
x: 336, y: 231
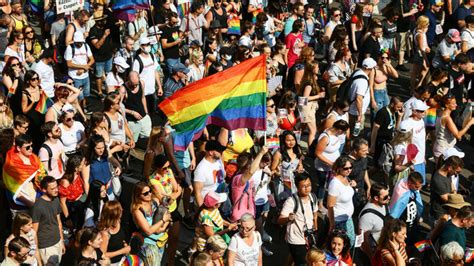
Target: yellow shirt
x: 237, y: 145
x: 164, y: 182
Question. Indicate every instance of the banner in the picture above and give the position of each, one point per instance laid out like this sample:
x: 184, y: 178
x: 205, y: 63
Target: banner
x: 66, y: 6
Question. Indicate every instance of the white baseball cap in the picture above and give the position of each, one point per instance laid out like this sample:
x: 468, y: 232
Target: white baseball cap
x: 404, y: 126
x: 144, y: 40
x: 121, y: 62
x: 419, y: 105
x: 369, y: 63
x: 78, y: 37
x: 453, y: 152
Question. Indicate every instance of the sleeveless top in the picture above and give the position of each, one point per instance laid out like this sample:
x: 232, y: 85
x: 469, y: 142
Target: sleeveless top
x: 116, y: 243
x: 424, y: 45
x: 20, y: 24
x: 151, y: 239
x: 117, y: 130
x: 345, y: 117
x: 237, y: 144
x: 444, y: 138
x: 134, y: 102
x: 74, y: 190
x: 331, y: 152
x: 164, y: 182
x: 221, y: 18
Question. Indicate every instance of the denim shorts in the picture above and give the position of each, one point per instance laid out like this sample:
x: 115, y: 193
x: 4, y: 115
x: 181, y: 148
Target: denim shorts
x: 85, y: 84
x: 261, y: 209
x: 103, y: 68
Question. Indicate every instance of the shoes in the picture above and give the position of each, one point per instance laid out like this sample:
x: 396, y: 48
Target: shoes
x: 402, y: 68
x: 266, y: 237
x: 266, y: 251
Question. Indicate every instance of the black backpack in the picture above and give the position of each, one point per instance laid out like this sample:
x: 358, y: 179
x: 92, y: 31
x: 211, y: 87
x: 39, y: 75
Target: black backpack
x: 384, y: 218
x: 140, y: 61
x: 344, y: 90
x: 61, y: 43
x: 50, y: 154
x: 312, y: 198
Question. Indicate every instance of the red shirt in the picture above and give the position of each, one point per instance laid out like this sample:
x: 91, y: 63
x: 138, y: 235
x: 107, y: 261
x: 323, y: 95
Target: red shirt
x: 292, y: 42
x: 73, y: 191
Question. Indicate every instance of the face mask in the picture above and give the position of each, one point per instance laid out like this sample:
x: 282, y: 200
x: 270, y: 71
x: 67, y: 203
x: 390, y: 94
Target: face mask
x: 147, y: 49
x: 227, y: 57
x: 78, y: 44
x: 120, y: 69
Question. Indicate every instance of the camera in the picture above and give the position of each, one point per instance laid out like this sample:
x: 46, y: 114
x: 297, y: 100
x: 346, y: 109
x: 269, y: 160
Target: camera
x: 311, y: 237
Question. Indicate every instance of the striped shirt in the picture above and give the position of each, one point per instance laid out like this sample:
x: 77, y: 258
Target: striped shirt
x: 387, y: 252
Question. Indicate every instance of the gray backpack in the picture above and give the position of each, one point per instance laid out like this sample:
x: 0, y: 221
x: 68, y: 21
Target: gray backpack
x: 386, y: 158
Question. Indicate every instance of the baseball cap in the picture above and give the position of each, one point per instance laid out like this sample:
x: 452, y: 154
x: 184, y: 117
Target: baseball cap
x: 436, y: 2
x: 212, y: 199
x: 121, y: 62
x: 144, y: 40
x: 454, y: 35
x: 453, y: 152
x: 404, y: 126
x: 214, y: 145
x: 179, y: 67
x: 419, y: 105
x: 78, y: 37
x: 369, y: 63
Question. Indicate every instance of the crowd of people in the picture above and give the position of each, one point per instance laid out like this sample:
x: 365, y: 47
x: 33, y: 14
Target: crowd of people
x: 344, y: 154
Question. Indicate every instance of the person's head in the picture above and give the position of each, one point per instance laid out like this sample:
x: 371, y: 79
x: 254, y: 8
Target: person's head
x: 196, y: 57
x: 16, y: 37
x: 248, y: 28
x: 18, y: 249
x: 452, y: 254
x: 396, y: 104
x: 343, y: 166
x: 418, y: 108
x: 315, y: 257
x: 384, y: 56
x: 436, y: 5
x: 202, y: 259
x: 217, y: 4
x: 21, y: 123
x: 90, y: 237
x: 303, y: 184
x: 51, y: 130
x: 393, y: 230
x: 439, y: 75
x: 216, y: 246
x: 422, y: 23
x: 75, y: 163
x: 11, y: 65
x: 469, y: 22
x: 462, y: 61
x: 16, y: 7
x: 158, y: 134
x: 306, y: 54
x: 343, y: 54
x: 161, y: 162
x: 280, y: 48
x: 49, y: 186
x: 341, y: 127
x: 288, y: 101
x: 376, y: 30
x: 67, y: 118
x: 28, y: 32
x: 82, y: 17
x: 214, y: 149
x: 96, y: 148
x: 173, y: 19
x: 179, y: 71
x: 368, y: 64
x: 32, y: 78
x: 298, y: 9
x: 464, y: 217
x: 110, y: 215
x: 453, y: 166
x: 380, y: 194
x: 270, y: 106
x: 22, y: 224
x: 213, y: 200
x: 24, y: 144
x: 98, y: 119
x: 288, y: 140
x: 453, y: 36
x: 338, y: 243
x: 360, y: 147
x: 309, y: 11
x: 336, y: 14
x: 141, y: 193
x: 341, y: 106
x: 298, y: 27
x: 422, y: 93
x: 244, y: 161
x: 128, y: 43
x: 246, y: 225
x: 415, y: 181
x: 197, y: 7
x: 112, y: 102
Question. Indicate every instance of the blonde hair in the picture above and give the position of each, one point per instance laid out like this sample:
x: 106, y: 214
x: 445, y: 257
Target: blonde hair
x: 194, y: 54
x: 422, y: 22
x: 315, y: 255
x: 216, y: 243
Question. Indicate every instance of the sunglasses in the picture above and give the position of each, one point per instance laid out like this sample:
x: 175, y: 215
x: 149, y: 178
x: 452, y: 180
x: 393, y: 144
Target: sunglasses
x: 337, y: 15
x: 28, y: 32
x: 28, y: 147
x: 271, y: 106
x: 34, y: 79
x: 146, y: 193
x: 386, y: 197
x: 347, y: 168
x: 15, y: 65
x: 69, y: 119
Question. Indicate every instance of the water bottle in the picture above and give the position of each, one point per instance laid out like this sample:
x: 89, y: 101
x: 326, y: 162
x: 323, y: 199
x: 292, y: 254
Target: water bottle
x: 356, y: 129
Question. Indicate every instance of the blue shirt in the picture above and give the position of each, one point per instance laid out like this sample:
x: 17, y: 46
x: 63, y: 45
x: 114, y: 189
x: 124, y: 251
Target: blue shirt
x: 431, y: 33
x: 100, y: 170
x: 461, y: 13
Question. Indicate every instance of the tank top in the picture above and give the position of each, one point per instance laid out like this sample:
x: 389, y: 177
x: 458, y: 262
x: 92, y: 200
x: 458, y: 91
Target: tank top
x: 134, y: 102
x: 236, y: 145
x: 345, y: 117
x: 116, y: 243
x: 164, y: 182
x: 19, y: 23
x: 151, y: 239
x: 331, y: 152
x: 221, y: 18
x: 117, y: 127
x: 444, y: 138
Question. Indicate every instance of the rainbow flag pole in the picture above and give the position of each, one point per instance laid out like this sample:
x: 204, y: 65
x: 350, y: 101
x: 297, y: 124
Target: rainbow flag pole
x: 234, y: 98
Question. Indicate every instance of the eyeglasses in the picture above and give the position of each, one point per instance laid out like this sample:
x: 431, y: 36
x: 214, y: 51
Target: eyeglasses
x: 246, y: 229
x: 15, y: 65
x: 28, y: 147
x: 347, y: 168
x: 386, y: 197
x: 34, y: 79
x: 146, y: 193
x: 28, y: 32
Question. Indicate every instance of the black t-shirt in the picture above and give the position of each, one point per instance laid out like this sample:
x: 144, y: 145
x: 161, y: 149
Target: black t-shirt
x: 410, y: 214
x: 105, y: 52
x: 455, y: 83
x: 386, y: 120
x: 45, y: 214
x: 440, y: 185
x: 371, y: 47
x: 171, y: 34
x: 389, y: 30
x: 404, y: 24
x: 359, y: 166
x: 90, y: 261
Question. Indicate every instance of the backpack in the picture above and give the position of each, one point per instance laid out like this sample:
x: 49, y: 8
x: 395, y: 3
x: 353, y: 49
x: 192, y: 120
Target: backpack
x: 140, y: 62
x: 61, y: 43
x: 73, y: 47
x: 385, y: 217
x: 312, y: 198
x: 344, y: 90
x: 50, y: 154
x: 386, y: 158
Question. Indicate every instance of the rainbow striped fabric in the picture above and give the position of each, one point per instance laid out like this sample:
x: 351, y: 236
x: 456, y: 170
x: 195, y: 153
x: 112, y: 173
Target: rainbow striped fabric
x: 423, y: 245
x: 234, y: 98
x: 132, y: 260
x: 44, y: 103
x: 469, y: 255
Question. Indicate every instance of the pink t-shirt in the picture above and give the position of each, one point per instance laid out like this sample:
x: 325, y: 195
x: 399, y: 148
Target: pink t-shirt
x: 243, y: 199
x: 293, y: 45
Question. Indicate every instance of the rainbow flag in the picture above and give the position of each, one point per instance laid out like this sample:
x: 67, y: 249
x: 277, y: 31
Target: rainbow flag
x: 44, y: 103
x: 469, y: 255
x: 322, y: 16
x: 273, y: 143
x: 423, y: 245
x: 234, y: 24
x: 430, y: 118
x: 132, y: 260
x: 127, y: 9
x: 183, y: 8
x: 234, y: 98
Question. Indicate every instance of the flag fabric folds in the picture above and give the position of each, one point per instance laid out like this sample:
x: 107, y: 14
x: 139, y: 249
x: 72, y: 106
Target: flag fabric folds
x: 424, y: 245
x: 127, y: 9
x: 234, y: 98
x: 469, y: 255
x: 44, y: 103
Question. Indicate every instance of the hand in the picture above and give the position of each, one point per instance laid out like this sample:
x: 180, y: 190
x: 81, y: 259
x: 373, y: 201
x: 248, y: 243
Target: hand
x: 193, y: 165
x: 104, y: 261
x: 233, y: 227
x: 132, y: 144
x: 86, y: 67
x: 427, y: 50
x: 79, y: 72
x: 179, y: 40
x: 291, y: 217
x: 63, y: 248
x: 142, y: 30
x: 127, y: 247
x: 159, y: 92
x: 107, y: 32
x: 353, y: 183
x: 413, y: 11
x: 393, y: 244
x: 374, y: 105
x: 167, y: 217
x: 322, y: 94
x: 137, y: 115
x: 264, y: 149
x: 359, y: 118
x: 117, y: 171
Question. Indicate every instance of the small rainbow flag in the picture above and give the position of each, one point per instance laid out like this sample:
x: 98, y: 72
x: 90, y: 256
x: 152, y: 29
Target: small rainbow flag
x: 183, y: 8
x: 423, y: 245
x: 430, y: 118
x: 273, y: 143
x: 132, y: 260
x: 469, y: 255
x: 44, y: 103
x: 322, y: 17
x: 234, y: 24
x: 234, y: 98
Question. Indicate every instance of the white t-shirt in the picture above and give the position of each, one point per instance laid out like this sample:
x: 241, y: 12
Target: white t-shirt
x: 370, y: 222
x: 71, y: 137
x: 401, y: 149
x: 81, y: 57
x: 360, y: 86
x: 194, y: 74
x: 245, y: 254
x: 407, y: 108
x: 46, y: 74
x: 148, y: 72
x: 468, y: 36
x: 419, y: 138
x: 113, y: 80
x: 210, y: 174
x: 295, y: 230
x: 245, y: 41
x: 20, y: 55
x: 57, y: 159
x: 261, y: 187
x: 344, y: 207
